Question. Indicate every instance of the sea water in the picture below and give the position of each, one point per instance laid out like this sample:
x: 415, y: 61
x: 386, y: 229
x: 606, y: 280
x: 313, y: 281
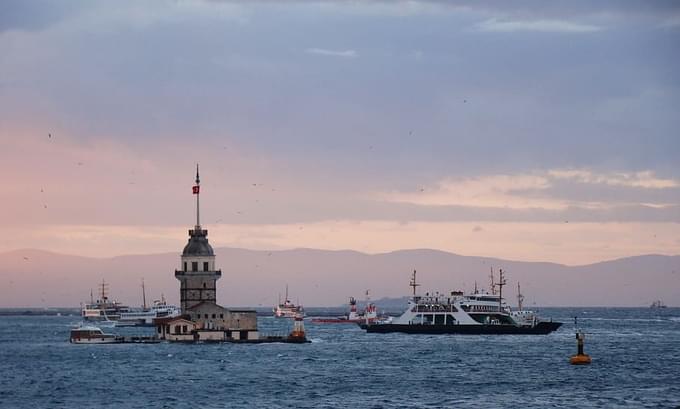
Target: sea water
x: 636, y: 363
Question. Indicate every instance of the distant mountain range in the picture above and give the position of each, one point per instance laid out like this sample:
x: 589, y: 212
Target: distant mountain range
x: 253, y: 278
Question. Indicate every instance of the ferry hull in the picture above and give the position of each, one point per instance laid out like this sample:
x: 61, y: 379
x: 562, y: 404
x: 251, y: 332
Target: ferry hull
x: 541, y: 328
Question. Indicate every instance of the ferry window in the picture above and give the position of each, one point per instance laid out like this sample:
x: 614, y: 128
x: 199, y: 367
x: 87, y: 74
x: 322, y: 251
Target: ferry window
x: 214, y: 316
x: 206, y: 316
x: 194, y: 266
x: 184, y: 328
x: 427, y: 318
x: 221, y: 315
x: 205, y: 266
x: 450, y: 320
x: 176, y: 329
x: 439, y: 319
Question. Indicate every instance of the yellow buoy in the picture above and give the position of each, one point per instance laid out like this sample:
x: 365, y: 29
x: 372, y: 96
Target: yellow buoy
x: 580, y: 358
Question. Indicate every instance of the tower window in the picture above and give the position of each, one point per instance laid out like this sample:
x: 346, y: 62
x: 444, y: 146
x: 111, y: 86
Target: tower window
x: 194, y: 266
x: 185, y: 266
x: 205, y: 266
x: 203, y: 285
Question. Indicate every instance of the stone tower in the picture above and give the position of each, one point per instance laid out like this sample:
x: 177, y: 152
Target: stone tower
x: 197, y: 273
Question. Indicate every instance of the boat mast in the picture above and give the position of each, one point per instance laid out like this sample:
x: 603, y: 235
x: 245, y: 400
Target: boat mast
x: 414, y: 284
x: 493, y: 288
x: 143, y: 296
x: 103, y: 299
x: 501, y: 282
x: 520, y: 297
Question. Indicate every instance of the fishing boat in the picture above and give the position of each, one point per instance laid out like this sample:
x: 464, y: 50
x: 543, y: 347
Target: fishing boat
x: 369, y: 314
x: 89, y: 334
x: 657, y: 304
x: 103, y: 309
x: 287, y: 309
x: 459, y: 313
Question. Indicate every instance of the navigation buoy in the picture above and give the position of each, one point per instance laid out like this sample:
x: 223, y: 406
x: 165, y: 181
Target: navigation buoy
x: 298, y: 333
x: 580, y: 358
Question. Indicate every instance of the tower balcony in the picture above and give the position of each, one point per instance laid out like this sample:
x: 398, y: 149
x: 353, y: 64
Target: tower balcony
x: 182, y: 273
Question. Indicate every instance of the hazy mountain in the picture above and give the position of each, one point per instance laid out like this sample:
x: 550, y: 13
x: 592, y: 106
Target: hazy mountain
x: 327, y: 278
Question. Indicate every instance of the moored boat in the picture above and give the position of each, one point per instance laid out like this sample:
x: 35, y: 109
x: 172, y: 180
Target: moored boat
x: 459, y: 313
x: 89, y: 334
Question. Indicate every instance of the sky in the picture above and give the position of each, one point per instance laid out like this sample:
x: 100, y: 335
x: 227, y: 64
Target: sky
x: 535, y: 131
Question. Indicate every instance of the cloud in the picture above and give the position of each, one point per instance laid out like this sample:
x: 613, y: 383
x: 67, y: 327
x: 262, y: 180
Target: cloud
x: 485, y: 191
x: 556, y: 189
x: 333, y: 53
x: 644, y: 179
x: 554, y: 26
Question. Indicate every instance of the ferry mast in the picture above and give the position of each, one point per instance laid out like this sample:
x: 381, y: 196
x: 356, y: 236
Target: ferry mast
x: 414, y: 285
x: 501, y: 282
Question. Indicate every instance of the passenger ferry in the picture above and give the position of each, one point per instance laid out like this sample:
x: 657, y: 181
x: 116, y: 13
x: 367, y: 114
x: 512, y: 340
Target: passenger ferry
x: 89, y: 334
x: 145, y: 317
x: 459, y: 313
x: 287, y: 309
x: 103, y: 309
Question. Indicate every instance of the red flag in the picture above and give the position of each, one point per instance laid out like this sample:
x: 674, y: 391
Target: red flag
x: 195, y: 189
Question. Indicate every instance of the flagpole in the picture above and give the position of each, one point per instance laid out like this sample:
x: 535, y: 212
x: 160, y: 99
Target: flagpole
x: 198, y: 195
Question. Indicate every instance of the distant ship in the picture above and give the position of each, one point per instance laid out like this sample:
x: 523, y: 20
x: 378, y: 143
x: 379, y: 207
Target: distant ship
x: 370, y: 314
x: 287, y: 309
x: 658, y: 304
x: 458, y: 313
x: 103, y: 309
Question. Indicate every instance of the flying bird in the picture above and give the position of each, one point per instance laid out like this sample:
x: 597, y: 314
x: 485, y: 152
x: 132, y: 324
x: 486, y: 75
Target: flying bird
x: 49, y: 135
x: 25, y: 258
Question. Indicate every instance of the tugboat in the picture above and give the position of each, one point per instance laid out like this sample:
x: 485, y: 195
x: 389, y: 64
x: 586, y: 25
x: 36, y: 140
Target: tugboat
x: 103, y: 309
x: 287, y: 309
x: 458, y: 313
x: 370, y: 314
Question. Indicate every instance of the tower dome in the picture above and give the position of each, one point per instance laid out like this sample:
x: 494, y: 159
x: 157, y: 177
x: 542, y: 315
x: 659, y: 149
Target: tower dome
x: 198, y: 244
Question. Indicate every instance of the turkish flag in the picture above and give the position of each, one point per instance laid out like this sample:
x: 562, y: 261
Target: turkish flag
x: 195, y: 189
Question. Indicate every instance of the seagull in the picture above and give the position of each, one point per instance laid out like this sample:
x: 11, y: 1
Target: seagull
x: 25, y: 258
x: 410, y: 133
x: 49, y: 135
x: 45, y: 206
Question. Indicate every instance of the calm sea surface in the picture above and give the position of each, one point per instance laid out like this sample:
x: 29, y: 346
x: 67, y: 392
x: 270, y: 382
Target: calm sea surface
x: 636, y: 363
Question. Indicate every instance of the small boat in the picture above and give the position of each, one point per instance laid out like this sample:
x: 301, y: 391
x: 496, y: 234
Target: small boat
x: 287, y: 309
x: 370, y: 314
x: 89, y: 334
